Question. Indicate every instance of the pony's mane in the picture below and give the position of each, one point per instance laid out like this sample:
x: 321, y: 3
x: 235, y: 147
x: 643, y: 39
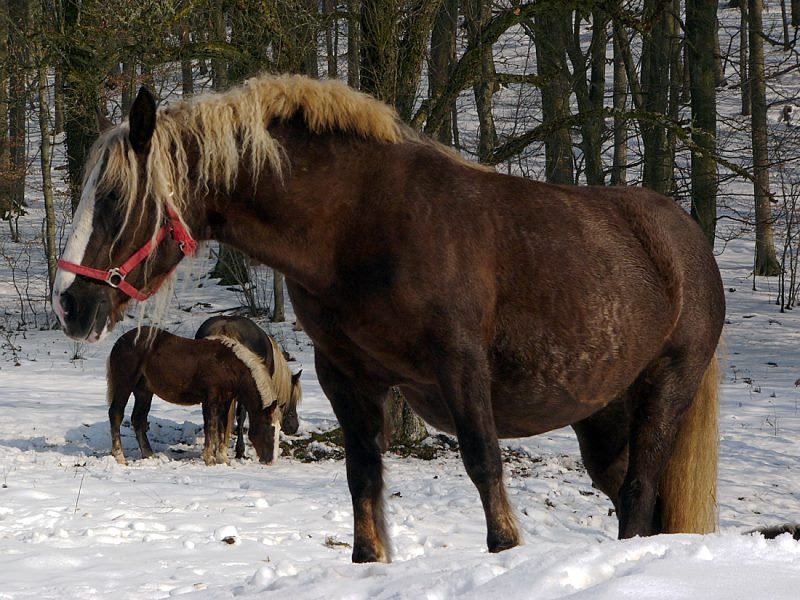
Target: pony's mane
x: 257, y: 368
x: 282, y: 377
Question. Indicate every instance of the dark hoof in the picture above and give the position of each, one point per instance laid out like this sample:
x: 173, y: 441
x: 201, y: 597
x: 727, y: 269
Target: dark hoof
x: 368, y: 555
x: 498, y: 544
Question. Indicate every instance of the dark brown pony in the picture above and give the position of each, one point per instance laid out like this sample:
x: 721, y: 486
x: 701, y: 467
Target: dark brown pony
x: 287, y: 386
x: 501, y: 306
x: 213, y: 372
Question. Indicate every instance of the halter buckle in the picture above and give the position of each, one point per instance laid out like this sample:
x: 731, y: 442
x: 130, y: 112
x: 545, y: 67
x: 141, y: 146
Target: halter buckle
x: 112, y: 273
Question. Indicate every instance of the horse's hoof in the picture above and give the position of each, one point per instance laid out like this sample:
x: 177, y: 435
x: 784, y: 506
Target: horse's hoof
x: 369, y: 555
x: 500, y: 543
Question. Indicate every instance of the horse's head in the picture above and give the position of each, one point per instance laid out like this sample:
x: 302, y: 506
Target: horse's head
x: 264, y: 433
x: 126, y: 237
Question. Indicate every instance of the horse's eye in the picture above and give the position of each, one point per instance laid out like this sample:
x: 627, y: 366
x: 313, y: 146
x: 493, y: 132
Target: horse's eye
x: 108, y: 211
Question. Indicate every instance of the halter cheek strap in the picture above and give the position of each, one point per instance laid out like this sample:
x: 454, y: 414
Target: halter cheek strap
x: 115, y: 276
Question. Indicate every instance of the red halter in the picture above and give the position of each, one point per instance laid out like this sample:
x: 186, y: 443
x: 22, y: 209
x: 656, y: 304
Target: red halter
x: 115, y: 277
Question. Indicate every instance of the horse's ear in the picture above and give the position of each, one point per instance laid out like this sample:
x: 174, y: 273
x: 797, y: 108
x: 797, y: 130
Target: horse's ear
x: 296, y: 377
x: 142, y: 121
x: 103, y: 122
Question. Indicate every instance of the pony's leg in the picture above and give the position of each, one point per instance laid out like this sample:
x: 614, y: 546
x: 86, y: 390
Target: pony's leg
x: 225, y: 417
x: 465, y: 387
x: 241, y: 411
x: 360, y: 413
x: 210, y: 427
x: 141, y: 408
x: 659, y: 398
x: 603, y: 440
x: 118, y: 399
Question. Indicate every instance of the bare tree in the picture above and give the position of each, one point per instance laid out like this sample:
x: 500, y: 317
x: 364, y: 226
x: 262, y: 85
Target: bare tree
x: 701, y: 31
x: 765, y: 260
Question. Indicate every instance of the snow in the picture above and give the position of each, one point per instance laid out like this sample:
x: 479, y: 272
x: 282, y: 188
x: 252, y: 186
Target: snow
x: 75, y: 524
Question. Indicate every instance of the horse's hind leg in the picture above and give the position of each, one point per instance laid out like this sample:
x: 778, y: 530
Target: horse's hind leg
x: 359, y: 409
x: 141, y: 409
x: 603, y: 439
x: 658, y: 401
x: 210, y: 430
x: 465, y: 386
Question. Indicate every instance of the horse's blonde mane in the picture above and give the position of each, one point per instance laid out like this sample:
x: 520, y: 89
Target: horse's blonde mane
x: 225, y: 128
x: 257, y: 368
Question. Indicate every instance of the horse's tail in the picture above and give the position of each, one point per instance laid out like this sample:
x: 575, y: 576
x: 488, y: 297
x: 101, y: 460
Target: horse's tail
x: 688, y: 487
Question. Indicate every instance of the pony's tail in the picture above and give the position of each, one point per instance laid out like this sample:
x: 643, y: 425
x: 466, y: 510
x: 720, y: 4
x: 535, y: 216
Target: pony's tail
x: 688, y: 487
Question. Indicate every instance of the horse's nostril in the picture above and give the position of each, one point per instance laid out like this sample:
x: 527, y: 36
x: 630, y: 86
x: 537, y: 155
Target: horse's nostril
x: 67, y: 303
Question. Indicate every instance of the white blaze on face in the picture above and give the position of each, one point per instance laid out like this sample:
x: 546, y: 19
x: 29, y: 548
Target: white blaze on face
x: 78, y: 239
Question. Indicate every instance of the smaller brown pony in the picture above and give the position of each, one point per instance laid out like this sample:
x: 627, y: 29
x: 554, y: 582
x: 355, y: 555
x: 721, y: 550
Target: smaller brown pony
x: 287, y: 386
x: 212, y: 372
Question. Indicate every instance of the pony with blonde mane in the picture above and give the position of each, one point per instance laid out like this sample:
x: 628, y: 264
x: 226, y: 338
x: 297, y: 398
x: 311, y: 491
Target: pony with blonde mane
x: 500, y: 306
x: 288, y: 389
x: 214, y: 372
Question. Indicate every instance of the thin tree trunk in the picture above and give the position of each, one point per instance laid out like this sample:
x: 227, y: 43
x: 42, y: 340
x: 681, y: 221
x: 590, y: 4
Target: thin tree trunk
x: 331, y: 38
x: 279, y: 306
x: 187, y: 74
x: 5, y: 146
x: 477, y: 13
x: 700, y: 30
x: 551, y: 28
x: 443, y: 55
x: 47, y: 181
x: 354, y: 44
x: 744, y: 67
x: 766, y: 261
x: 18, y: 97
x: 619, y: 99
x: 795, y: 13
x: 655, y: 84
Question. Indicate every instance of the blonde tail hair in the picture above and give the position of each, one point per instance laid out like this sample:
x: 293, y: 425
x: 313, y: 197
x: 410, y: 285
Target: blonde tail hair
x: 688, y: 487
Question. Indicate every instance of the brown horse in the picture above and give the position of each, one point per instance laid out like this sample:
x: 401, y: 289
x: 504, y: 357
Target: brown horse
x: 501, y: 307
x: 287, y: 386
x: 213, y: 371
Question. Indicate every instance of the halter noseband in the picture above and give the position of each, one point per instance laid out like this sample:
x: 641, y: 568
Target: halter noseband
x: 115, y: 276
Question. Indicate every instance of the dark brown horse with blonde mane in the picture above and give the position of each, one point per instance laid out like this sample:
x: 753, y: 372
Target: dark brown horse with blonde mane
x: 214, y: 372
x: 287, y: 385
x: 501, y: 307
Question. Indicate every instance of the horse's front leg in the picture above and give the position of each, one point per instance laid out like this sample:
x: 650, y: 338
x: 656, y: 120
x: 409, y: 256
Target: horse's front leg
x: 143, y: 399
x: 465, y: 384
x: 240, y: 415
x: 359, y: 410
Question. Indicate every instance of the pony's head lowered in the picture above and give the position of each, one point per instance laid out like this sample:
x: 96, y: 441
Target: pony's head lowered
x: 126, y: 238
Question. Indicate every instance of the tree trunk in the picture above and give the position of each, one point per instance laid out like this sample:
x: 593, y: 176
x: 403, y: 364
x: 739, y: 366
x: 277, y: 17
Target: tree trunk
x: 589, y: 88
x: 279, y: 306
x: 655, y: 84
x: 766, y: 261
x: 379, y: 49
x: 18, y: 97
x: 443, y: 56
x: 744, y: 67
x: 354, y: 44
x: 795, y: 13
x: 331, y: 38
x: 403, y: 426
x: 477, y: 14
x: 552, y: 28
x: 5, y: 149
x: 45, y: 156
x: 80, y: 99
x: 700, y: 32
x: 619, y: 98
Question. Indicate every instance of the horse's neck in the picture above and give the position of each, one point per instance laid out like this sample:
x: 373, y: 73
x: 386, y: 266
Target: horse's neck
x: 294, y: 226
